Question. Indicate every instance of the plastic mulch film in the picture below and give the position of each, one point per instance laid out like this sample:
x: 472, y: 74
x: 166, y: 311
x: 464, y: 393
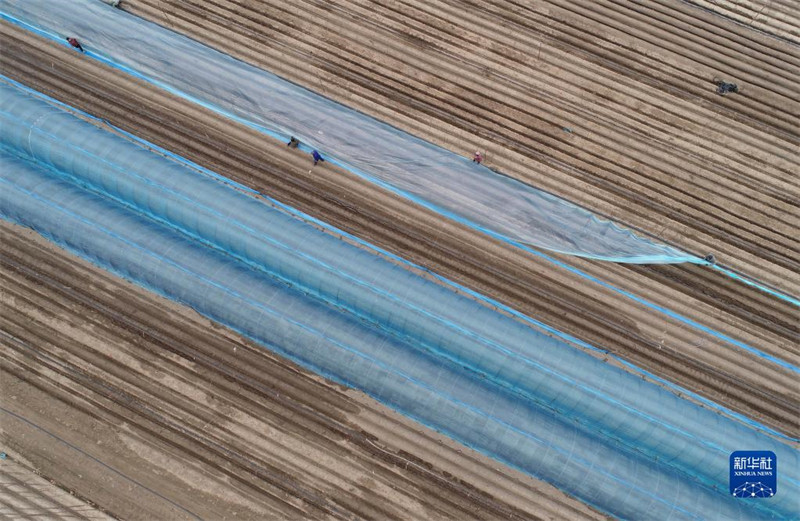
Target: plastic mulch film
x: 604, y: 435
x: 430, y: 175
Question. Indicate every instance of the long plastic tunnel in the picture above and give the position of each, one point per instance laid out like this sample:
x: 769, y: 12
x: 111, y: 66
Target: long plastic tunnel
x: 623, y: 444
x: 430, y: 175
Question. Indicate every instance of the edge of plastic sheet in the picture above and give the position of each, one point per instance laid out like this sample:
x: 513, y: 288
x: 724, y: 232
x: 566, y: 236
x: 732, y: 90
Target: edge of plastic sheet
x: 678, y: 257
x: 402, y: 375
x: 477, y: 296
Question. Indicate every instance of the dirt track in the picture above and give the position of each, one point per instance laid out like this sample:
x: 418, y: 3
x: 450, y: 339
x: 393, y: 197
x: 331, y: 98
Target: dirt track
x: 197, y: 421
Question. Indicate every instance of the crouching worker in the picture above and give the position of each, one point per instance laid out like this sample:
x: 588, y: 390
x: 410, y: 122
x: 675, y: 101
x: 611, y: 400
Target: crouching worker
x: 293, y: 142
x: 723, y: 87
x: 75, y: 43
x: 317, y: 157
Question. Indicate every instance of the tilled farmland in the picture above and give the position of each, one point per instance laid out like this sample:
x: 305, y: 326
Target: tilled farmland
x: 211, y: 425
x: 608, y: 104
x: 649, y: 143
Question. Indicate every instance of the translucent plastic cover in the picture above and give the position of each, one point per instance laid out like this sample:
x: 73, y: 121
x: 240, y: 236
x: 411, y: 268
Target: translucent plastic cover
x: 607, y: 436
x: 430, y: 175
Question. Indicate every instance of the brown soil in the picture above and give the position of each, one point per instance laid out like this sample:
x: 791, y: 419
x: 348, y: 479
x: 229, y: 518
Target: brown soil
x: 191, y: 426
x: 556, y: 296
x: 153, y: 412
x: 25, y: 494
x: 651, y: 143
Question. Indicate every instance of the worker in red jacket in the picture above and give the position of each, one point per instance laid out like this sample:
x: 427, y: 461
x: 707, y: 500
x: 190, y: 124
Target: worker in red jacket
x: 477, y: 158
x: 75, y: 43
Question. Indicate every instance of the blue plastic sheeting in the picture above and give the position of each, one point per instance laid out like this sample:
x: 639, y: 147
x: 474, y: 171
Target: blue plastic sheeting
x: 6, y: 5
x: 610, y: 438
x: 372, y: 248
x: 428, y: 174
x: 417, y: 383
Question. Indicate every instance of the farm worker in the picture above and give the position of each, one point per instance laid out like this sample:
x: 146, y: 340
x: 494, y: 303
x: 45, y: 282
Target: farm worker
x: 73, y: 42
x: 317, y: 157
x: 293, y: 142
x: 477, y: 158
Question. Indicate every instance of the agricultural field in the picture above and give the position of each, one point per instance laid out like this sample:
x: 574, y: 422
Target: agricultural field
x: 145, y: 409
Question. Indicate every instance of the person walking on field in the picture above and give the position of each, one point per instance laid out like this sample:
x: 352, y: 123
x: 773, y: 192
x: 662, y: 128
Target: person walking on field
x: 317, y: 157
x: 477, y: 158
x: 75, y: 43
